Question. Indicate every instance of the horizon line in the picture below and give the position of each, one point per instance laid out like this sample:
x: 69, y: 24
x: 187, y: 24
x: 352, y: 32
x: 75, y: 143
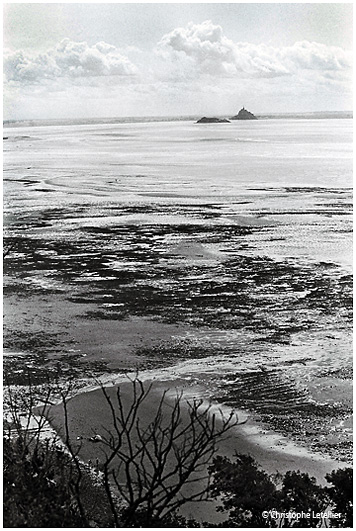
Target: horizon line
x: 169, y: 116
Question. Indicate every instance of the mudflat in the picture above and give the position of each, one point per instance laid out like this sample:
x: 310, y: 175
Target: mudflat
x: 222, y: 262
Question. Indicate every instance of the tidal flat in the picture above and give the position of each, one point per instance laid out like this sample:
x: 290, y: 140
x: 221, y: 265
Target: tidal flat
x: 242, y: 289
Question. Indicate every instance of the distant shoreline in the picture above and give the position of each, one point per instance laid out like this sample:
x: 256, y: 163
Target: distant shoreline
x: 319, y: 115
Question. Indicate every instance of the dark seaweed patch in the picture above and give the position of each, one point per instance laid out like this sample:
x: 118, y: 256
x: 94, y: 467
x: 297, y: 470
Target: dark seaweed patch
x: 38, y: 343
x: 129, y: 270
x: 272, y: 298
x: 160, y: 354
x: 39, y: 368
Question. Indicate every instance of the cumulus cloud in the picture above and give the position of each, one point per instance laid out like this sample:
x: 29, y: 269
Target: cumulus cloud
x: 69, y: 60
x: 205, y: 48
x: 315, y: 56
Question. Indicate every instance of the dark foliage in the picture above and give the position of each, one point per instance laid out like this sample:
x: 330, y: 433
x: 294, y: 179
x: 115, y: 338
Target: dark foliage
x: 40, y: 489
x: 36, y: 488
x: 341, y: 493
x: 172, y: 520
x: 246, y: 492
x: 301, y: 494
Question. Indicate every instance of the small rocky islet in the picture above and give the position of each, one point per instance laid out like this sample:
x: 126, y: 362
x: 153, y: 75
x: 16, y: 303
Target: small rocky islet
x: 205, y: 120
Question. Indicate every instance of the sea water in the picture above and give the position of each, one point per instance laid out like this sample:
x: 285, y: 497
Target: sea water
x: 183, y: 159
x: 267, y: 167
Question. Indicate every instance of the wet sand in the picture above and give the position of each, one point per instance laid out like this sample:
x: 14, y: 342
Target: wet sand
x: 89, y: 415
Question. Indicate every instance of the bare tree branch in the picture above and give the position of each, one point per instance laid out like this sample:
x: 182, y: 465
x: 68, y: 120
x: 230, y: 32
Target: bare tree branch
x: 150, y: 463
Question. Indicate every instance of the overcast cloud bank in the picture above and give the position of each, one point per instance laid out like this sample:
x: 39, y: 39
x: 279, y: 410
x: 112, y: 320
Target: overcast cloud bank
x: 197, y: 59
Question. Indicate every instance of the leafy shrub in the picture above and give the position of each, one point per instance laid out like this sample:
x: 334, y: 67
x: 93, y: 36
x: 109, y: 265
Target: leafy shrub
x: 246, y: 491
x: 36, y: 487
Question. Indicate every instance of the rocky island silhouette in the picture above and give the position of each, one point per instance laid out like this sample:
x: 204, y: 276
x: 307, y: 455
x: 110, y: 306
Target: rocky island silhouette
x: 205, y: 120
x: 244, y: 114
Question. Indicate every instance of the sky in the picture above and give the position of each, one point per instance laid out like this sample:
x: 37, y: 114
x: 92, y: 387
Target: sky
x: 91, y: 60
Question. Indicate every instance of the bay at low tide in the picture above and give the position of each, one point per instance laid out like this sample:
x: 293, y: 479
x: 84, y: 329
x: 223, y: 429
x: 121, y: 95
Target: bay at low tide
x: 218, y: 254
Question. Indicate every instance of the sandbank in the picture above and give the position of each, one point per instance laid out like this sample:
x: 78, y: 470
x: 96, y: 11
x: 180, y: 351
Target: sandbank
x: 89, y: 414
